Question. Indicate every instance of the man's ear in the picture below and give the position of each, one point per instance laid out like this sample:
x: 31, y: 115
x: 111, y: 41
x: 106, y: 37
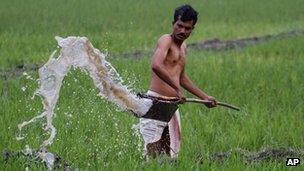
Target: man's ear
x: 173, y: 23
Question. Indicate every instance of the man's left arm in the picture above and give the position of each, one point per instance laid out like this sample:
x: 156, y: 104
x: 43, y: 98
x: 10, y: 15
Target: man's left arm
x: 187, y: 84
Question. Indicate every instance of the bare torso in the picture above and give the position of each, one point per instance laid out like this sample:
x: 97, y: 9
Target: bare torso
x: 174, y: 63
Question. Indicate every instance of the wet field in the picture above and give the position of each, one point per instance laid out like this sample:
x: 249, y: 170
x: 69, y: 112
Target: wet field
x: 265, y: 79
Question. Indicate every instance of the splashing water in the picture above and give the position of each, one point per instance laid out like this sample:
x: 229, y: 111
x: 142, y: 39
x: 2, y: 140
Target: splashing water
x: 79, y: 52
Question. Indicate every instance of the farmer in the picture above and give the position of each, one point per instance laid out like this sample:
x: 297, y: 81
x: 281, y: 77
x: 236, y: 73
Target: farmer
x: 168, y: 76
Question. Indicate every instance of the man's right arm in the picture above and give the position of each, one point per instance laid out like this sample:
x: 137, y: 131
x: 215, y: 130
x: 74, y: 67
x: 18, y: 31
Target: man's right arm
x: 158, y: 60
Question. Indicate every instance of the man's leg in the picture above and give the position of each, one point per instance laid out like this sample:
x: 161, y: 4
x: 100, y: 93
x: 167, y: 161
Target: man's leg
x: 161, y: 146
x: 175, y: 134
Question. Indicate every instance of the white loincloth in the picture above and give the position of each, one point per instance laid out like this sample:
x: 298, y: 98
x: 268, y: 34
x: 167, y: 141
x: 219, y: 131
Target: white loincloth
x: 152, y: 130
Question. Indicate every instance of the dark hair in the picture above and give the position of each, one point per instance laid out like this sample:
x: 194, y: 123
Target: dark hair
x: 185, y: 13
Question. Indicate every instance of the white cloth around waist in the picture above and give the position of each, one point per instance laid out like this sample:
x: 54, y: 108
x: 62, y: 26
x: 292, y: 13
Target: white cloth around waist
x: 151, y: 129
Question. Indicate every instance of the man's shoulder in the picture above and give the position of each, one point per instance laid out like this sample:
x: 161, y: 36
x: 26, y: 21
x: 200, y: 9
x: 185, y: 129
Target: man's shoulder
x: 165, y: 39
x: 166, y: 36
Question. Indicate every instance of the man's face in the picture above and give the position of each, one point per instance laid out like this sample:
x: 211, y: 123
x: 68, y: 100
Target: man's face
x: 182, y: 29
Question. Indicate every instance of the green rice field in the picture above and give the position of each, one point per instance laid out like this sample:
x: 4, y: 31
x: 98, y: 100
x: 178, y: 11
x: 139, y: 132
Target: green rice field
x: 266, y: 80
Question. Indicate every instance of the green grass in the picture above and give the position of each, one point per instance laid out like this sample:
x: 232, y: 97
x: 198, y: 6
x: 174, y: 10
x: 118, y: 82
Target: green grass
x: 28, y: 27
x: 265, y: 80
x: 98, y: 135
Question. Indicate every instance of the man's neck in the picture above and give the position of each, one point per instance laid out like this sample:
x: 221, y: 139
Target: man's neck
x: 176, y: 41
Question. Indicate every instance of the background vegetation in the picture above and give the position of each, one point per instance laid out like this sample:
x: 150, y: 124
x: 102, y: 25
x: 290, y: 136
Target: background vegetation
x: 265, y: 80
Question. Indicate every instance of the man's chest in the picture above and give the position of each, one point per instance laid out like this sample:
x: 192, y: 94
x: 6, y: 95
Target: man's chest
x: 176, y: 57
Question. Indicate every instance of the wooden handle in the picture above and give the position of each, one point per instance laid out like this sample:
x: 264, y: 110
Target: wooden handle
x: 208, y: 102
x: 191, y: 100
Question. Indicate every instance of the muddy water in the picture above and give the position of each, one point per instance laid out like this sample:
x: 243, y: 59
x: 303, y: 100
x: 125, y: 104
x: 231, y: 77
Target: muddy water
x: 78, y: 52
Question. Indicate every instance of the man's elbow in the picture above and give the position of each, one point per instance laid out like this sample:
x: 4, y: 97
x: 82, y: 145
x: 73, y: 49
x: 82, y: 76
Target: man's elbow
x: 156, y: 68
x: 184, y: 82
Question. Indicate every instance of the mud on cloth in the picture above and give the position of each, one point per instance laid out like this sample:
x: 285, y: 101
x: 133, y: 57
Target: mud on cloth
x: 152, y: 129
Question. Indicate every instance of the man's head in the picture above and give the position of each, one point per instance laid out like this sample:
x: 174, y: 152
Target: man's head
x: 185, y: 18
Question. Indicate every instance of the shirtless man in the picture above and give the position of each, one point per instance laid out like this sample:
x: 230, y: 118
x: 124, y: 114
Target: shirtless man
x: 168, y: 76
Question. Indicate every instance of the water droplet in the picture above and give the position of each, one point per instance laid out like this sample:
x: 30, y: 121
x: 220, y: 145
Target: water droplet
x: 23, y: 88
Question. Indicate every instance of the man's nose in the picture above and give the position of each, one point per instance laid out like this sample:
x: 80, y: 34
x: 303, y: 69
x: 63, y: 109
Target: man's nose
x: 183, y: 30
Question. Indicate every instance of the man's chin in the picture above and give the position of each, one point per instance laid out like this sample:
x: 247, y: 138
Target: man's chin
x: 180, y: 38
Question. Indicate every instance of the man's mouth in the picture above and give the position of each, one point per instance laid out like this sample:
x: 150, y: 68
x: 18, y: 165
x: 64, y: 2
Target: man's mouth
x: 182, y: 36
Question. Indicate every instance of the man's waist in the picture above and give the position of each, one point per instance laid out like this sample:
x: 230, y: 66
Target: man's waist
x: 160, y: 110
x: 161, y: 92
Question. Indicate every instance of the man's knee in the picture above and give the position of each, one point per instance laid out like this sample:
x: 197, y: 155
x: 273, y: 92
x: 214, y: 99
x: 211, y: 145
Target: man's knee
x: 161, y: 146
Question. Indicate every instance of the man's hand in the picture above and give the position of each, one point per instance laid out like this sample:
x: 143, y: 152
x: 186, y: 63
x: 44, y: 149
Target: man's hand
x: 212, y: 100
x: 181, y: 96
